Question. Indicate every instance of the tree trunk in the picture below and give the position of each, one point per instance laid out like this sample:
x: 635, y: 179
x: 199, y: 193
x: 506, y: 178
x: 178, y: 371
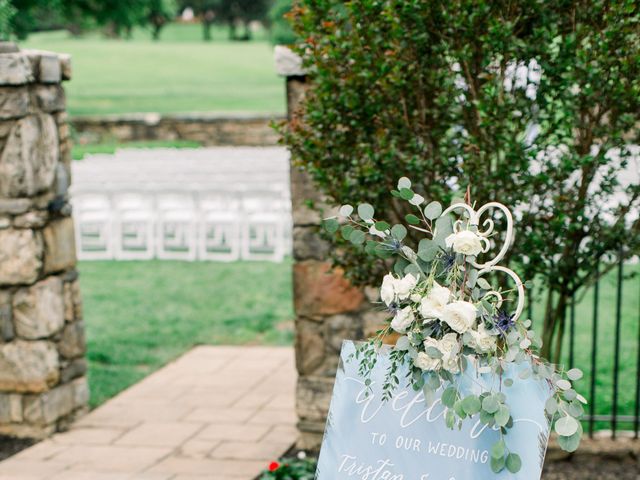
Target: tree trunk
x: 206, y: 31
x: 554, y: 325
x: 155, y: 33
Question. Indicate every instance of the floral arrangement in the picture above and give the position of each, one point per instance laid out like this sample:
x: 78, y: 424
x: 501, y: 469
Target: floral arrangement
x: 446, y: 314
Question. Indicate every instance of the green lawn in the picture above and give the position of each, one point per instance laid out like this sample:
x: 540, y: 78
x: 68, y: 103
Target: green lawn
x: 140, y: 315
x: 630, y: 323
x: 79, y: 150
x: 180, y: 73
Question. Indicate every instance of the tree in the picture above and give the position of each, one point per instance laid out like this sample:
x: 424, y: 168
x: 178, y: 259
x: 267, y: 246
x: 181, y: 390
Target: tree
x: 7, y: 12
x: 206, y: 11
x: 281, y: 32
x: 533, y: 104
x: 235, y: 12
x: 159, y: 13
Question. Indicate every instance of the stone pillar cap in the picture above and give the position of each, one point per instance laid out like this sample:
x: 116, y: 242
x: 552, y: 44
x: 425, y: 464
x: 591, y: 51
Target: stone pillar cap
x: 287, y: 62
x: 8, y: 47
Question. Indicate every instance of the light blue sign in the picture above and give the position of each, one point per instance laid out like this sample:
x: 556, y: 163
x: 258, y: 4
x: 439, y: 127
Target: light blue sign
x: 404, y: 439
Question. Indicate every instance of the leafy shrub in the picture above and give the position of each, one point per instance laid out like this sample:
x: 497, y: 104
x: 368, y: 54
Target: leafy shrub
x: 290, y: 469
x: 281, y: 31
x: 532, y: 104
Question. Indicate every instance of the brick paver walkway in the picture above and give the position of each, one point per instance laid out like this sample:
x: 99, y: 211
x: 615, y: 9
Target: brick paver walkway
x: 215, y: 413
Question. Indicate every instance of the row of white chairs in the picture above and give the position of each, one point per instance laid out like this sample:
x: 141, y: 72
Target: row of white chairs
x: 184, y: 224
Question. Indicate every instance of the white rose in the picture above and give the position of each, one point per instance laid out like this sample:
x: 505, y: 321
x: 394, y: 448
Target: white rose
x: 431, y: 342
x: 451, y: 363
x: 387, y: 291
x: 415, y: 297
x: 460, y: 315
x: 432, y: 305
x: 425, y: 362
x: 465, y: 242
x: 402, y: 320
x: 403, y: 286
x: 483, y: 342
x: 449, y: 344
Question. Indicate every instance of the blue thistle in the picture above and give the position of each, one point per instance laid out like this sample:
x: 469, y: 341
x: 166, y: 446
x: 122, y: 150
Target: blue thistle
x: 503, y: 321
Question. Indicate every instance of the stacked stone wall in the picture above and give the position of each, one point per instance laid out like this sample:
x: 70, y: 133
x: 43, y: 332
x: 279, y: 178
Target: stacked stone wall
x: 328, y: 309
x: 205, y: 128
x: 42, y: 344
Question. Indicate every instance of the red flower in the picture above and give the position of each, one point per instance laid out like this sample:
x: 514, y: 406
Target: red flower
x: 273, y: 466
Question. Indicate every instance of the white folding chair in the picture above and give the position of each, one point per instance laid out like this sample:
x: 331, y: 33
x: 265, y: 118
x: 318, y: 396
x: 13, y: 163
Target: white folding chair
x: 134, y: 226
x: 93, y: 226
x: 263, y: 226
x: 177, y: 226
x: 219, y: 225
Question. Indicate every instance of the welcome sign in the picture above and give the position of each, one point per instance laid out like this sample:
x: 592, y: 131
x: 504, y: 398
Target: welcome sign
x: 405, y: 439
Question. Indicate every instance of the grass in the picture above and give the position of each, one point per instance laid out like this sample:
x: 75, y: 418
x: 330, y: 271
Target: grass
x: 629, y: 337
x: 180, y: 73
x: 141, y: 315
x: 79, y: 151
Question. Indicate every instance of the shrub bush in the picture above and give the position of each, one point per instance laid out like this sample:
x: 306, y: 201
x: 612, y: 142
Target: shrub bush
x: 532, y: 104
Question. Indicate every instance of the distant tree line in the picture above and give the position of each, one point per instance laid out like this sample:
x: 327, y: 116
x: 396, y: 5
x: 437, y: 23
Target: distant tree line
x: 117, y: 18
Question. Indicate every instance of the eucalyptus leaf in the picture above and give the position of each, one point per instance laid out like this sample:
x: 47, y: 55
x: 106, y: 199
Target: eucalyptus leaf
x: 346, y: 231
x: 357, y: 237
x: 404, y: 182
x: 490, y: 404
x: 449, y: 397
x: 402, y: 343
x: 433, y: 210
x: 433, y: 352
x: 399, y: 232
x: 382, y: 226
x: 346, y: 210
x: 471, y: 405
x: 572, y: 442
x: 406, y: 193
x: 566, y: 426
x: 365, y: 211
x: 498, y: 449
x: 497, y: 464
x: 483, y: 284
x: 444, y: 227
x: 502, y: 415
x: 412, y: 219
x: 574, y: 374
x: 563, y: 384
x: 450, y: 418
x: 331, y: 225
x: 513, y: 463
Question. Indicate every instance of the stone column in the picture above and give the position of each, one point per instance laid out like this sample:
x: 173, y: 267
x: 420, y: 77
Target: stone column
x: 328, y: 309
x: 43, y: 381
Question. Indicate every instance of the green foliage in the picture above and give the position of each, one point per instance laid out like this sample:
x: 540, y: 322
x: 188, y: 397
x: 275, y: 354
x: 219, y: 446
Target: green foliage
x: 229, y: 12
x: 7, y: 12
x: 448, y: 92
x: 290, y: 469
x: 117, y: 17
x: 281, y: 31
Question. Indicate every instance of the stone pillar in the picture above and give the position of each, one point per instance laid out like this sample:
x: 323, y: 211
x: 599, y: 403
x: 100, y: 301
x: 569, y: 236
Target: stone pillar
x: 328, y: 309
x: 43, y: 381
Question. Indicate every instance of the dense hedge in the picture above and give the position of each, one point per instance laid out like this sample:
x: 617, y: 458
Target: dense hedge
x: 520, y: 101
